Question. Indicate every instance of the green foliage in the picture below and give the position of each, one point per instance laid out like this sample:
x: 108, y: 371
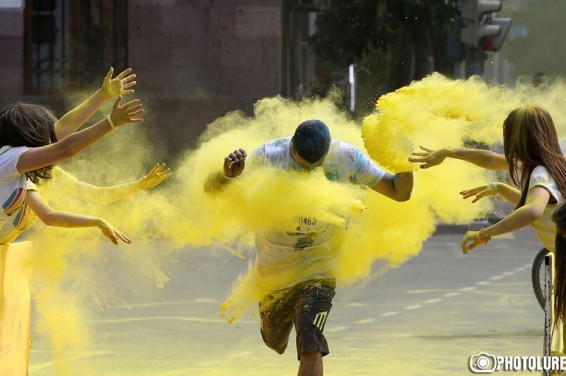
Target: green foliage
x: 348, y: 30
x: 543, y: 48
x: 351, y: 29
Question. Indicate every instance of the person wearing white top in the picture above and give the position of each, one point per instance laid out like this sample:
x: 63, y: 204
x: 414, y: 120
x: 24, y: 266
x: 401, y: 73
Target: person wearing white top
x: 536, y: 164
x: 29, y: 148
x: 303, y: 298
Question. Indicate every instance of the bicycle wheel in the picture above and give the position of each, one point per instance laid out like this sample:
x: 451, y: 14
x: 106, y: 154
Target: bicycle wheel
x: 537, y: 276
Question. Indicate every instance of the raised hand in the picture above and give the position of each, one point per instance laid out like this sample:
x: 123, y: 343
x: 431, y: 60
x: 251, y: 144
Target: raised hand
x: 479, y: 192
x: 158, y: 173
x: 130, y: 112
x: 235, y: 163
x: 119, y: 85
x: 429, y: 157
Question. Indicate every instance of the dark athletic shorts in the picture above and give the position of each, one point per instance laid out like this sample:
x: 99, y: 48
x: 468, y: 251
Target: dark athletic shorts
x: 305, y: 305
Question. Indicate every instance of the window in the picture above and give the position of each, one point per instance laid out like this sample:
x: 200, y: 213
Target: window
x: 70, y: 44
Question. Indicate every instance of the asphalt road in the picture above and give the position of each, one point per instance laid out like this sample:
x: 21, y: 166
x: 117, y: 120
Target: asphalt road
x: 426, y: 317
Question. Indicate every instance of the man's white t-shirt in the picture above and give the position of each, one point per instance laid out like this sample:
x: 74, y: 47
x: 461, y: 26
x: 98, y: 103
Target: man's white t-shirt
x: 306, y: 251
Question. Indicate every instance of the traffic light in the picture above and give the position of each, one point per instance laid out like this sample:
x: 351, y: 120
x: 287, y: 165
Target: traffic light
x: 480, y: 27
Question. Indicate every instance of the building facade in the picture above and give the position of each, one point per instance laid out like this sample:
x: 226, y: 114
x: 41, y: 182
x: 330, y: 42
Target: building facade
x: 195, y: 60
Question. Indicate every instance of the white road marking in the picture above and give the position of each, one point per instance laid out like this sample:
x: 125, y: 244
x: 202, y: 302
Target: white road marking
x: 337, y: 329
x: 451, y: 294
x: 158, y: 318
x: 387, y: 314
x: 365, y: 321
x: 412, y: 307
x: 51, y: 363
x: 432, y: 301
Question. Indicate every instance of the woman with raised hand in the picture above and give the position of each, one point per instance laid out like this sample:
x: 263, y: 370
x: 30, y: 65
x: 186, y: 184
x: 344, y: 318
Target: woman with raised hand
x: 537, y: 166
x: 29, y: 148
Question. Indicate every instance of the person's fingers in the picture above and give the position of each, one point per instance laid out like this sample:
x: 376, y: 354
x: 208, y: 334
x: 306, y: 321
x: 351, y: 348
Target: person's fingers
x: 425, y: 149
x: 112, y: 238
x: 132, y: 103
x: 123, y: 237
x: 474, y: 244
x: 109, y: 74
x: 118, y: 102
x: 134, y: 108
x: 166, y: 175
x: 128, y: 79
x: 154, y: 170
x: 468, y: 247
x: 124, y: 73
x: 129, y: 84
x: 244, y: 153
x: 463, y: 245
x: 135, y: 113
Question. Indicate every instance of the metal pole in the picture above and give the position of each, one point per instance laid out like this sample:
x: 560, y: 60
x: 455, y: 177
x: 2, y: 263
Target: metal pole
x: 547, y: 309
x: 352, y: 82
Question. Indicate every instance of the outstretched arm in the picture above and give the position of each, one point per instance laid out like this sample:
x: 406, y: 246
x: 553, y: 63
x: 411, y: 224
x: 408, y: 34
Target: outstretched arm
x: 38, y: 157
x: 397, y: 187
x: 536, y: 202
x: 107, y: 195
x: 111, y: 87
x: 52, y: 217
x: 483, y: 158
x: 510, y: 194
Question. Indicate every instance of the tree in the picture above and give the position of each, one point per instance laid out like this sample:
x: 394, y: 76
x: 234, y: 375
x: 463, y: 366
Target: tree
x: 535, y: 43
x: 409, y: 34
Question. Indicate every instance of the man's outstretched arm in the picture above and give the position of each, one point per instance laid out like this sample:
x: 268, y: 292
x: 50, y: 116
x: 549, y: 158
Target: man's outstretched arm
x: 397, y: 187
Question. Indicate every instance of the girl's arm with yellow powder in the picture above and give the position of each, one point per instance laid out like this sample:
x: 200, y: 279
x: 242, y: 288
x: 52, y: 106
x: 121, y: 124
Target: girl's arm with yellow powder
x: 483, y: 158
x: 397, y: 187
x: 107, y: 195
x: 52, y: 217
x: 510, y: 194
x: 111, y: 87
x: 41, y: 156
x: 536, y: 202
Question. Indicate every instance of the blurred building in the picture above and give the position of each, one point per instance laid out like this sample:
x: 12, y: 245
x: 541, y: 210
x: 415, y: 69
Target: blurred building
x: 195, y: 59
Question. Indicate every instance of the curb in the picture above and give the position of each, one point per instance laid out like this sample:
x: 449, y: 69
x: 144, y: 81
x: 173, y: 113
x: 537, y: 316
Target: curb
x: 453, y: 228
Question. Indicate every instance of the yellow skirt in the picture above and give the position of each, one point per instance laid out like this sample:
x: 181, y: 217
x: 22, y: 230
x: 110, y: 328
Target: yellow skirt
x: 15, y: 314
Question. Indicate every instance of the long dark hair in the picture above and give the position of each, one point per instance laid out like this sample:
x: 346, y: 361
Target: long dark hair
x: 559, y: 217
x: 530, y: 140
x: 28, y: 125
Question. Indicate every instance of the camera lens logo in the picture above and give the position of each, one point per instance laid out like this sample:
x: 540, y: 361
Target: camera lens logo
x: 483, y: 363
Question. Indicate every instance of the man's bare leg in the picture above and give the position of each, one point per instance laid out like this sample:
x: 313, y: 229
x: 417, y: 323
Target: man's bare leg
x: 311, y: 364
